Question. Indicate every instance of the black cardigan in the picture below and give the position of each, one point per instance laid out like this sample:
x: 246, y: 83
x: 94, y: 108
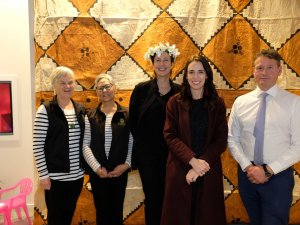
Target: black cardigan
x: 144, y: 96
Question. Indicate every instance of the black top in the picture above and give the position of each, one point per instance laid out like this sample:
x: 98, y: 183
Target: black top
x: 147, y: 112
x: 153, y: 120
x: 199, y: 125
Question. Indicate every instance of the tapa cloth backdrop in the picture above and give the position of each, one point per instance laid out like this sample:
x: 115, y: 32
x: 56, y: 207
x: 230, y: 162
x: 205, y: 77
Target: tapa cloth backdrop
x: 112, y: 36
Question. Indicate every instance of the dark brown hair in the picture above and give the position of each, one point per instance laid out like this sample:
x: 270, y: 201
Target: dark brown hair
x: 210, y: 94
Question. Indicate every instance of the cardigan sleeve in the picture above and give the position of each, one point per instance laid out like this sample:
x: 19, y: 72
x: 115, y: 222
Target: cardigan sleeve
x: 40, y: 129
x: 87, y: 152
x: 172, y: 133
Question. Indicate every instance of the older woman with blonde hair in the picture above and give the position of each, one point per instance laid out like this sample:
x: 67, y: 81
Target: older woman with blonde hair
x: 57, y: 137
x: 107, y: 150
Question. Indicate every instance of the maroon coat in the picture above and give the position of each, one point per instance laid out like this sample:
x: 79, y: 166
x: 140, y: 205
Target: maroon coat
x: 210, y: 209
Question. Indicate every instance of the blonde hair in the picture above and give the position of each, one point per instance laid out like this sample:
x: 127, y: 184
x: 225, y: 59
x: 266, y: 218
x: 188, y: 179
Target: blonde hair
x: 59, y: 72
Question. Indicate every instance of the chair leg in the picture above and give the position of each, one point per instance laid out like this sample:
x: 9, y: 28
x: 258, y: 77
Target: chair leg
x: 27, y: 215
x: 18, y: 210
x: 7, y: 218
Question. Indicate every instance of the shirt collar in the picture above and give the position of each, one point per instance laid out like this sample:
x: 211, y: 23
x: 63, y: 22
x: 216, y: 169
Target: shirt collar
x: 272, y: 91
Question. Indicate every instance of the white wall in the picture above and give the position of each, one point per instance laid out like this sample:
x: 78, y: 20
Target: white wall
x: 16, y: 57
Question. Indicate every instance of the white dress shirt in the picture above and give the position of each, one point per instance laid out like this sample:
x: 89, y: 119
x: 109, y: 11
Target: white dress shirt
x: 282, y: 128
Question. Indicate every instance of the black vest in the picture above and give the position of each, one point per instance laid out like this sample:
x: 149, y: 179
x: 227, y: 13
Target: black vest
x: 57, y: 139
x: 120, y: 137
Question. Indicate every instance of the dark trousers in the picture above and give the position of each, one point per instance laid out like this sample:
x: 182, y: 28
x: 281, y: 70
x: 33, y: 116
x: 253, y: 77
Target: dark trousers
x: 268, y: 203
x: 152, y: 173
x: 61, y: 201
x: 109, y: 194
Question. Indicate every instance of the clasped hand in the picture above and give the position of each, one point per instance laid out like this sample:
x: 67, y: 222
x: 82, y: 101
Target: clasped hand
x: 116, y: 172
x: 199, y: 168
x: 256, y: 174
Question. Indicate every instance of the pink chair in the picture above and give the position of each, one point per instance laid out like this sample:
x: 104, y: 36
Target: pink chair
x: 17, y: 201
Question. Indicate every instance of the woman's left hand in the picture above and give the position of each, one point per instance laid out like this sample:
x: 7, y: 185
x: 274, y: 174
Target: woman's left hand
x: 118, y: 170
x: 191, y: 176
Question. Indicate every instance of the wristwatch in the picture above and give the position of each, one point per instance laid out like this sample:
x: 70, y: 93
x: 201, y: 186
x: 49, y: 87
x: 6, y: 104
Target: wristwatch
x: 267, y: 173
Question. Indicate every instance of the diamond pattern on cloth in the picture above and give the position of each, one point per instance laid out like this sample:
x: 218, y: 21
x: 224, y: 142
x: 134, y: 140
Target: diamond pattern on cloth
x: 100, y: 36
x: 201, y: 19
x: 43, y: 70
x: 268, y: 16
x: 259, y: 130
x: 51, y: 18
x: 127, y: 73
x: 126, y: 20
x: 84, y: 46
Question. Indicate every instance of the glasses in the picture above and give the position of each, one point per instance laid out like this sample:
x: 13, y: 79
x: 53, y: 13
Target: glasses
x: 106, y: 87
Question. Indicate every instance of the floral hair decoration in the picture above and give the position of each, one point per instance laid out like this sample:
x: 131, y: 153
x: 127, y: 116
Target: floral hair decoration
x: 159, y: 49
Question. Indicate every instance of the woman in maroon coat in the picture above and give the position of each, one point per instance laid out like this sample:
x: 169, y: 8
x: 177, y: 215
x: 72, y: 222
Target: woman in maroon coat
x: 196, y: 134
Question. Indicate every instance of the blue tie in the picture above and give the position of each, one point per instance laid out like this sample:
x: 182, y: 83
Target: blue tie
x: 259, y: 130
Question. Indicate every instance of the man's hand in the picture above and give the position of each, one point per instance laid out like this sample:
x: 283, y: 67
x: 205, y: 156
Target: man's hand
x: 256, y: 174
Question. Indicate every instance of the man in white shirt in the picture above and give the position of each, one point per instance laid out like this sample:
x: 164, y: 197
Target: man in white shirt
x: 266, y: 188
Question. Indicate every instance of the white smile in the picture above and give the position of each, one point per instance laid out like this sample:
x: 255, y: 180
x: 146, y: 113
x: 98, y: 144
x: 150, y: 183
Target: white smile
x: 162, y: 69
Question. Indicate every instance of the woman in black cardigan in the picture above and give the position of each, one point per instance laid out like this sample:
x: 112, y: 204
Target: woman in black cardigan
x: 147, y: 118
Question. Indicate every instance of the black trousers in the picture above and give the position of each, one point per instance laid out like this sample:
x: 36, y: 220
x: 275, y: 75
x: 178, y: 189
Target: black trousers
x: 61, y: 201
x: 152, y: 172
x: 109, y: 194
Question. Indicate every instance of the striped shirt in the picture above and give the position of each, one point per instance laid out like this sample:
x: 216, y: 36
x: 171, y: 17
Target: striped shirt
x: 87, y: 152
x: 41, y: 124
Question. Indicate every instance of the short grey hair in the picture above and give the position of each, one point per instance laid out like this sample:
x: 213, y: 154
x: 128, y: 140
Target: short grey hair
x: 59, y: 72
x: 105, y: 76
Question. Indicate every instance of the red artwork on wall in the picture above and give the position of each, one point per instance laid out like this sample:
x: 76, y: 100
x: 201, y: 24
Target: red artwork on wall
x: 6, y: 120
